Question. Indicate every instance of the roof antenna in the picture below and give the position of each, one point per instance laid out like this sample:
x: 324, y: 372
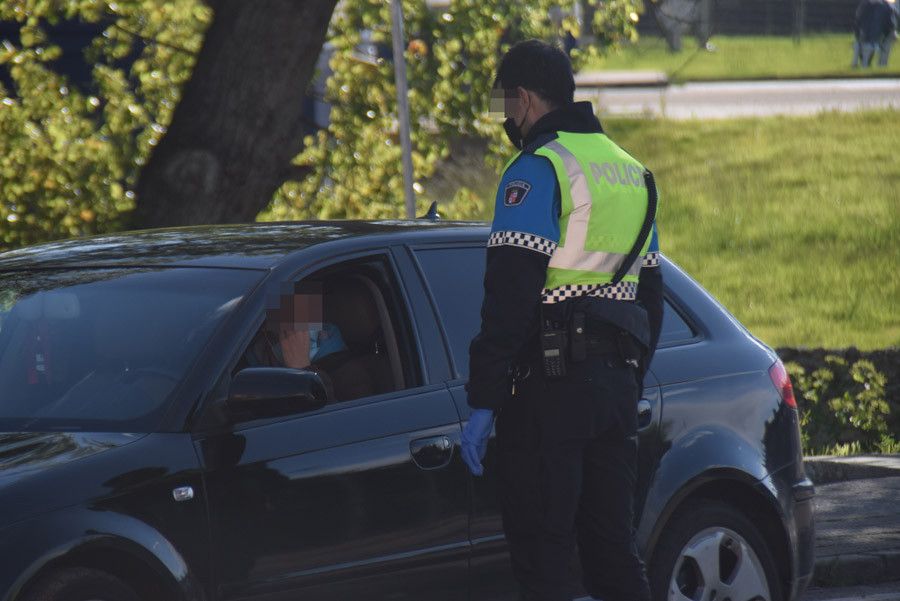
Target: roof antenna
x: 432, y: 214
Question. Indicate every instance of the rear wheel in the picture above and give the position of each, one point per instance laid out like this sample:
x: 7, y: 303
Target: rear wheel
x: 712, y: 552
x: 80, y: 584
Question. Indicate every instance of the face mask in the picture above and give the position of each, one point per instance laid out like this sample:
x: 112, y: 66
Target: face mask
x: 513, y: 132
x: 324, y: 341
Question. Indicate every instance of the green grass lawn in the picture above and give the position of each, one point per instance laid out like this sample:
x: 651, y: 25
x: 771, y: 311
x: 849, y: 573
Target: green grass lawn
x: 747, y: 57
x: 793, y: 223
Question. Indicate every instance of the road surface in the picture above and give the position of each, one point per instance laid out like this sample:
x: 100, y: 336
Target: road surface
x: 883, y: 592
x: 719, y: 100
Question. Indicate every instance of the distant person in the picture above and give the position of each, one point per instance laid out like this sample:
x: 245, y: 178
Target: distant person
x: 874, y: 29
x: 888, y: 40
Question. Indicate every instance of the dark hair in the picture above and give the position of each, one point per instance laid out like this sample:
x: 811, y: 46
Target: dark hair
x: 538, y: 67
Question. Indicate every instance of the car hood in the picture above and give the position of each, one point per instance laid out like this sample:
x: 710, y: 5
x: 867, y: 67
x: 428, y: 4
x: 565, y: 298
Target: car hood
x: 23, y: 454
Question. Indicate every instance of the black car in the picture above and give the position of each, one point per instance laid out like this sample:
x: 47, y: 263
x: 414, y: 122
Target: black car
x: 273, y: 411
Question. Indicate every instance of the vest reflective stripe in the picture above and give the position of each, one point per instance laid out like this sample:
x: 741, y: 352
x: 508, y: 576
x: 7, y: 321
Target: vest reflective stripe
x: 603, y: 201
x: 571, y: 253
x: 595, y: 261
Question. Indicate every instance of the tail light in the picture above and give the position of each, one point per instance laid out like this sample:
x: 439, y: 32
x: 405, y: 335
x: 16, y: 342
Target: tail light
x: 782, y: 383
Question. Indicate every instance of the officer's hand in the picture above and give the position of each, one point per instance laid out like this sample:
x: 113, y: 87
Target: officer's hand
x: 475, y: 438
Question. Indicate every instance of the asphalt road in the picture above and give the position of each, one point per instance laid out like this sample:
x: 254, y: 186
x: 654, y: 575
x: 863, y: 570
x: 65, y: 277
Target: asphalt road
x: 739, y: 99
x: 883, y: 592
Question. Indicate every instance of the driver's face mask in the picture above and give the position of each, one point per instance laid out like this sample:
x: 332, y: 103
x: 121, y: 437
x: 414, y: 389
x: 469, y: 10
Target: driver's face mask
x: 324, y: 339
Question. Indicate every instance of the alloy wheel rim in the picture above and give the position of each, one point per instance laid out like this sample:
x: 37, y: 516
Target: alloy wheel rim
x: 718, y: 564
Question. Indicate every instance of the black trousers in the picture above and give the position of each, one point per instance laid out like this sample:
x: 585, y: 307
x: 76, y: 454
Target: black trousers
x: 567, y: 466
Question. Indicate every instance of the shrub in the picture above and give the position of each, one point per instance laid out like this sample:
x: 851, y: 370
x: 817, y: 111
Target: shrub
x: 843, y: 409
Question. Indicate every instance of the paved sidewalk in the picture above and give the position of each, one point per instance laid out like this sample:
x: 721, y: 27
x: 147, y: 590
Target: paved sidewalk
x: 858, y: 531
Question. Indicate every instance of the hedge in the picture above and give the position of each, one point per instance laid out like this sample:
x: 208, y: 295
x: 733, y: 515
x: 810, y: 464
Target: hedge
x: 849, y: 400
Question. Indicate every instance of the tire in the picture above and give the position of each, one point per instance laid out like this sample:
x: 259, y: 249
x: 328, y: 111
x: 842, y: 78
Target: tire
x: 80, y: 584
x: 712, y: 552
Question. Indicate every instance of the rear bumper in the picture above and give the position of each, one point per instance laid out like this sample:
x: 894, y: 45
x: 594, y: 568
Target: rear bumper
x: 802, y: 532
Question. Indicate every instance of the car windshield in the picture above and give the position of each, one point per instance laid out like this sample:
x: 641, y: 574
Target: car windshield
x: 104, y: 349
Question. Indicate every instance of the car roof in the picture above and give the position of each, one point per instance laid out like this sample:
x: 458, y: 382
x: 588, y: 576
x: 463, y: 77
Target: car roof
x: 252, y: 246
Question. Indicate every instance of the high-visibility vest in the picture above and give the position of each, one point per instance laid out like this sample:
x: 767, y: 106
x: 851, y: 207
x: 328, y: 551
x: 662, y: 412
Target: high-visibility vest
x: 604, y: 201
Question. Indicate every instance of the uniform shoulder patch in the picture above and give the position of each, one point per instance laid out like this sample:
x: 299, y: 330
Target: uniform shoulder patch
x: 515, y: 192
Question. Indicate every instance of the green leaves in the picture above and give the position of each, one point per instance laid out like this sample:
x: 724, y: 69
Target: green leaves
x: 842, y: 403
x: 69, y: 157
x: 452, y: 55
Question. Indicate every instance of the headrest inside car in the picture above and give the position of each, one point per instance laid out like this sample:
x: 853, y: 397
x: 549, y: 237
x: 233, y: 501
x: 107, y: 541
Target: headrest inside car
x: 48, y: 305
x: 61, y: 305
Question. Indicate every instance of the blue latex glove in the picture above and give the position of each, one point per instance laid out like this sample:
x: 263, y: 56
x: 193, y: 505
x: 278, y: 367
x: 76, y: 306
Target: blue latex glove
x: 475, y: 438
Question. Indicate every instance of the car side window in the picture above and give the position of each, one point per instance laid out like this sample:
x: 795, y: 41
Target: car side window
x: 675, y: 329
x: 347, y: 324
x: 456, y: 279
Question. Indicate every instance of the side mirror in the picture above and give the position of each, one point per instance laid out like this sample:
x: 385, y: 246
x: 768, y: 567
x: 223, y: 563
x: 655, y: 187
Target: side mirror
x: 266, y: 392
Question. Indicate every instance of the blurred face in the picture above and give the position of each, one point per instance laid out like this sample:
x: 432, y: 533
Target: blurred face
x: 519, y: 108
x: 297, y: 317
x: 516, y: 104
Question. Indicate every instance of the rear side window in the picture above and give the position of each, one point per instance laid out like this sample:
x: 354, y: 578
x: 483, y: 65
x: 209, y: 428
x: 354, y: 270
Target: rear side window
x: 675, y: 329
x: 456, y: 279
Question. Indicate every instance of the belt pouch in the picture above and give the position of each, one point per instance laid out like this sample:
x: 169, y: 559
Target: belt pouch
x: 629, y: 350
x: 577, y: 338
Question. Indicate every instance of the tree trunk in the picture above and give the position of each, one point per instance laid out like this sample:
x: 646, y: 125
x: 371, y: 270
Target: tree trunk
x: 240, y: 120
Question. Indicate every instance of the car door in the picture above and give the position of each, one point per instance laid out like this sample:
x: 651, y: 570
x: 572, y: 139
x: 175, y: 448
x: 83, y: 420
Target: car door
x: 454, y: 275
x: 364, y: 498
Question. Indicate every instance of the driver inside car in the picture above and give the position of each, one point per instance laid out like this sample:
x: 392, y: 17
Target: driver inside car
x: 302, y: 344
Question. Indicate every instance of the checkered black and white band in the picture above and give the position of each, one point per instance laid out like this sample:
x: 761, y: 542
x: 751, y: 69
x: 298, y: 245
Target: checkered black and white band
x: 651, y: 260
x: 529, y: 241
x: 621, y: 291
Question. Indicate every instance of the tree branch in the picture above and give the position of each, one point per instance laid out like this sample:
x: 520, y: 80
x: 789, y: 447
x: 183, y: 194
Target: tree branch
x: 147, y: 40
x: 297, y: 173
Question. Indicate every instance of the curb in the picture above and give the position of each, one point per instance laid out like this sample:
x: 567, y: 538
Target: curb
x: 856, y: 569
x: 621, y: 79
x: 826, y: 469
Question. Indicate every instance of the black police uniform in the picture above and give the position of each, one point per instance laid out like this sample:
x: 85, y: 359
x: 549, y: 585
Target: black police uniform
x: 567, y: 447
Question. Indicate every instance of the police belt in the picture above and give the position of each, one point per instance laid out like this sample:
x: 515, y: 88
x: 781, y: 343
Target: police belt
x: 603, y: 338
x: 589, y: 338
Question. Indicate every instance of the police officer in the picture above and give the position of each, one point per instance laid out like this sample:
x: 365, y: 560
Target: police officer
x: 571, y: 316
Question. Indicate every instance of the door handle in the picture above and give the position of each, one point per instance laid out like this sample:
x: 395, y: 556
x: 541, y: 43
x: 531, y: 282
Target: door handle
x: 431, y: 453
x: 645, y: 414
